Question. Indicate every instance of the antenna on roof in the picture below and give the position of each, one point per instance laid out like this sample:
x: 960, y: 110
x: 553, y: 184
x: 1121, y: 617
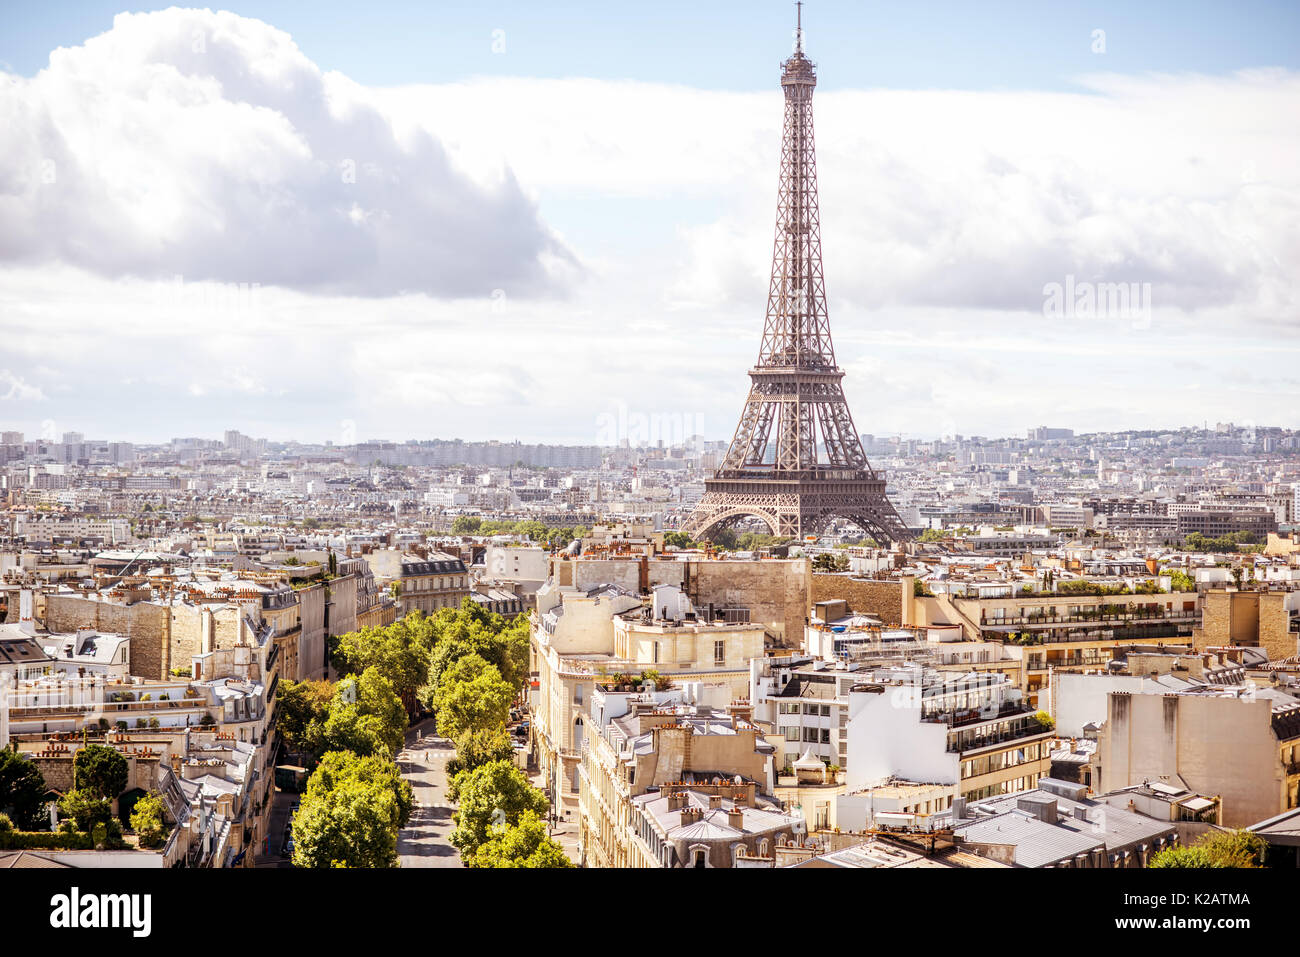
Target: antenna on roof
x: 798, y: 29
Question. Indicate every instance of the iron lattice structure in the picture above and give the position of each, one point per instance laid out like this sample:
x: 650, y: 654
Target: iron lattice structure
x: 796, y: 460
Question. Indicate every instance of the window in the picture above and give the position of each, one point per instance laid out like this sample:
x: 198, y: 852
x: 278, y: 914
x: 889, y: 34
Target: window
x: 656, y: 652
x: 719, y: 652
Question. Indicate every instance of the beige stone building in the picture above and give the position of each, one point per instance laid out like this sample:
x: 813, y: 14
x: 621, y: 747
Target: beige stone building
x: 1244, y: 749
x: 772, y: 592
x: 425, y: 582
x: 674, y: 785
x: 1064, y: 631
x: 583, y: 640
x: 1269, y: 620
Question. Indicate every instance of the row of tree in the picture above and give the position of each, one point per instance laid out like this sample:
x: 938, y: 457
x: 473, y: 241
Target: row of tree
x: 550, y: 535
x: 356, y: 799
x: 467, y: 665
x: 478, y: 667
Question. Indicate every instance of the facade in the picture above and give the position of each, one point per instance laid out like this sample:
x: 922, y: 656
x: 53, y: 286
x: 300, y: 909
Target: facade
x: 666, y: 784
x: 426, y: 584
x: 1244, y: 749
x: 1062, y: 631
x: 973, y: 731
x: 1265, y: 619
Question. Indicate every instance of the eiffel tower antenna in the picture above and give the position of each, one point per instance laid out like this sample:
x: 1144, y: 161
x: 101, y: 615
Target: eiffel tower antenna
x: 796, y: 460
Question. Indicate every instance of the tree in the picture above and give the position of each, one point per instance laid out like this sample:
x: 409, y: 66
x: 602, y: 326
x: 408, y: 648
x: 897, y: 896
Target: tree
x: 22, y: 791
x: 477, y: 748
x: 100, y: 770
x: 472, y: 696
x: 679, y: 540
x: 85, y: 809
x: 148, y: 820
x: 466, y: 525
x: 826, y: 562
x: 524, y: 844
x: 302, y: 709
x: 495, y: 793
x: 349, y: 825
x: 1240, y: 849
x: 340, y: 767
x: 365, y: 716
x: 399, y: 652
x: 474, y: 630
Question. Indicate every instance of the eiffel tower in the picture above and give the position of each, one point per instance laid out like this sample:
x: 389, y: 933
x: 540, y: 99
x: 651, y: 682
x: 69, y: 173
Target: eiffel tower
x: 796, y: 460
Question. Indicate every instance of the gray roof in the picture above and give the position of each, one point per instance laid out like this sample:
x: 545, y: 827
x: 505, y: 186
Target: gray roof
x: 1038, y: 843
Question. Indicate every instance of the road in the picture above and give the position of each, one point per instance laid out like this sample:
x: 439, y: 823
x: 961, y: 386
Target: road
x: 423, y: 842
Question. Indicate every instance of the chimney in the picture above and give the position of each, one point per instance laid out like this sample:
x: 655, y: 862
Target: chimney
x: 736, y: 819
x: 715, y: 801
x: 959, y: 809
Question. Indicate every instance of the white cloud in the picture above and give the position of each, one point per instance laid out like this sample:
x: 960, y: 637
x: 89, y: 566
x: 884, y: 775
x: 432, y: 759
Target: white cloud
x: 207, y: 145
x: 944, y: 214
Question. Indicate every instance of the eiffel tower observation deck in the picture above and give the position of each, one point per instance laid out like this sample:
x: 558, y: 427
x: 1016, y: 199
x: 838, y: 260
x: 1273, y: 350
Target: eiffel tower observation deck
x: 796, y: 460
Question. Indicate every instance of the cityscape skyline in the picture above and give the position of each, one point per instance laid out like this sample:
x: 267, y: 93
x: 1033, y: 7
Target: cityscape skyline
x: 961, y: 590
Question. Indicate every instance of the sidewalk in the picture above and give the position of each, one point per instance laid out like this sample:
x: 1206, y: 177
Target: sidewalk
x: 566, y: 833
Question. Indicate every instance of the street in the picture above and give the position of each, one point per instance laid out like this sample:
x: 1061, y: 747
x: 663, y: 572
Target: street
x: 424, y: 841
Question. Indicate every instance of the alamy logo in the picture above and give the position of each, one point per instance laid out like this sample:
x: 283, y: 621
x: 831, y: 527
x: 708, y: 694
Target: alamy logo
x: 1129, y: 301
x: 75, y: 910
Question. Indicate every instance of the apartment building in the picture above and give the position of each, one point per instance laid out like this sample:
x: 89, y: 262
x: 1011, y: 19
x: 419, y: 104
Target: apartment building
x: 425, y: 582
x: 669, y: 784
x: 920, y: 724
x: 1066, y: 629
x: 1242, y: 746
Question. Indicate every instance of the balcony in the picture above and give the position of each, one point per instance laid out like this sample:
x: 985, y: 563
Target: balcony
x: 1088, y: 617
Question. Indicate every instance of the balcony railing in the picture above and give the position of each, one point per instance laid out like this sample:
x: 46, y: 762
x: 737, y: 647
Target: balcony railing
x: 1044, y: 621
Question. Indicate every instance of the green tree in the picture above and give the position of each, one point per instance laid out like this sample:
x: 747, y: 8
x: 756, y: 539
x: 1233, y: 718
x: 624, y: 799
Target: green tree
x: 22, y: 791
x: 495, y: 793
x: 1239, y: 849
x: 474, y: 630
x: 340, y: 767
x: 524, y: 844
x: 349, y: 825
x: 365, y: 717
x: 301, y: 712
x: 466, y: 525
x: 477, y: 748
x: 679, y: 540
x: 100, y: 770
x: 826, y: 562
x: 85, y: 809
x: 148, y: 820
x: 399, y: 652
x: 472, y: 696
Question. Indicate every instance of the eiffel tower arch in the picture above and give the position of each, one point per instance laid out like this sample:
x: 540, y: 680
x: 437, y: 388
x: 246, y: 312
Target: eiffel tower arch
x: 796, y: 460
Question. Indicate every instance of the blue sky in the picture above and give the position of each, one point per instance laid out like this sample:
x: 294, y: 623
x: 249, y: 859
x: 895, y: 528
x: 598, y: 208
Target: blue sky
x: 447, y: 241
x: 957, y: 44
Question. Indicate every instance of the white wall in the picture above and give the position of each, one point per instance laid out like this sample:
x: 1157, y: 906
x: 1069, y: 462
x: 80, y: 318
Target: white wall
x: 885, y: 736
